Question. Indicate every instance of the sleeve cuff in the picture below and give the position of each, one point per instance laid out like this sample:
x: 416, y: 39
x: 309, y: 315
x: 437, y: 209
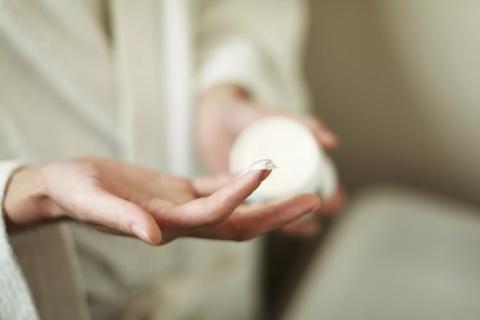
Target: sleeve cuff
x: 6, y: 170
x: 15, y: 300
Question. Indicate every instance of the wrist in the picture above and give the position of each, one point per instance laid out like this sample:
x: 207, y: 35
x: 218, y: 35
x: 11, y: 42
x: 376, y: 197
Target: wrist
x: 26, y: 199
x: 223, y: 93
x: 231, y: 105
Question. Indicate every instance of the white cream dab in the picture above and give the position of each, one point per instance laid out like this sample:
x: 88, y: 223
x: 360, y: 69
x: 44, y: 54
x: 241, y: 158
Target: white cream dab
x: 262, y: 164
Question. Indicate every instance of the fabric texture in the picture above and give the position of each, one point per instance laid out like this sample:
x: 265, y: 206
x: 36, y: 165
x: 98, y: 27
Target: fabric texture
x: 49, y: 263
x: 15, y: 300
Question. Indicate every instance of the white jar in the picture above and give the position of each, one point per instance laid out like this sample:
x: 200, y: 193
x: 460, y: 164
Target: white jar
x: 302, y: 165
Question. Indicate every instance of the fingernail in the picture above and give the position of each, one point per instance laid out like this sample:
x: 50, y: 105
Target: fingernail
x: 263, y: 164
x: 141, y: 233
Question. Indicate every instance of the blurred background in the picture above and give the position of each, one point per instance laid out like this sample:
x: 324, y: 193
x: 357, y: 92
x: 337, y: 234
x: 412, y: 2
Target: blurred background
x: 398, y: 81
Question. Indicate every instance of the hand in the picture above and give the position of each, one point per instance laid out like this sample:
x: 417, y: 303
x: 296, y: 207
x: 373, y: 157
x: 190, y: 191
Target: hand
x: 153, y: 206
x: 224, y: 111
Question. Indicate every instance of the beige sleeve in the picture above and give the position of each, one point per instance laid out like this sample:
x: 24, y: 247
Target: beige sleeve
x: 256, y: 44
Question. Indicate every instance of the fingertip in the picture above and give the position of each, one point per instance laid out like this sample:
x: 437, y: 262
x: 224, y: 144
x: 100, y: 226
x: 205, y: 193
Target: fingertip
x: 325, y: 137
x: 149, y: 233
x: 260, y: 169
x: 329, y: 140
x: 260, y: 174
x: 310, y: 202
x: 155, y: 236
x: 220, y: 205
x: 335, y: 204
x: 265, y: 174
x: 261, y: 165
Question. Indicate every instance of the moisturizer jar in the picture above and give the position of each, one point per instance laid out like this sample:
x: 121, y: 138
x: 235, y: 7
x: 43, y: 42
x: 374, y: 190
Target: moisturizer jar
x: 302, y: 165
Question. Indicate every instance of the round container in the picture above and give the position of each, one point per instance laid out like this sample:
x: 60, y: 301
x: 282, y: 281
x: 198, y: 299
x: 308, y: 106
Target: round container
x: 302, y: 165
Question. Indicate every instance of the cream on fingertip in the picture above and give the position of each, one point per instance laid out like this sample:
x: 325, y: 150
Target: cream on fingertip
x: 262, y: 164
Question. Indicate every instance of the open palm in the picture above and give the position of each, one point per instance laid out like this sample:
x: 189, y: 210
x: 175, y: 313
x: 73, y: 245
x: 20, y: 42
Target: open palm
x: 154, y: 206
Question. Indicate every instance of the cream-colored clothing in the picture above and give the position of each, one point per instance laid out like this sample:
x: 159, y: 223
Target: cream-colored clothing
x: 117, y: 79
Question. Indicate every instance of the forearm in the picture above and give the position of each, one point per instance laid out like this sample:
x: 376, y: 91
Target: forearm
x: 230, y: 103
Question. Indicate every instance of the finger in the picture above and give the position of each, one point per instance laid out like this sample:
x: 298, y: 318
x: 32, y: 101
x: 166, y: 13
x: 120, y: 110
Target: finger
x: 308, y: 230
x: 268, y: 217
x: 311, y: 224
x: 205, y: 186
x: 220, y: 204
x: 106, y: 209
x: 334, y: 204
x: 325, y: 137
x: 307, y: 226
x: 253, y: 220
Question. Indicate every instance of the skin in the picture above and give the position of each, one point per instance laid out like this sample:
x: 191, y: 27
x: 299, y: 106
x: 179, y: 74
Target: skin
x: 224, y: 111
x: 157, y: 207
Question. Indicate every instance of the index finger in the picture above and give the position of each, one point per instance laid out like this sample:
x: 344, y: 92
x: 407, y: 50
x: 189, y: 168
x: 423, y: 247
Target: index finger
x: 221, y: 203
